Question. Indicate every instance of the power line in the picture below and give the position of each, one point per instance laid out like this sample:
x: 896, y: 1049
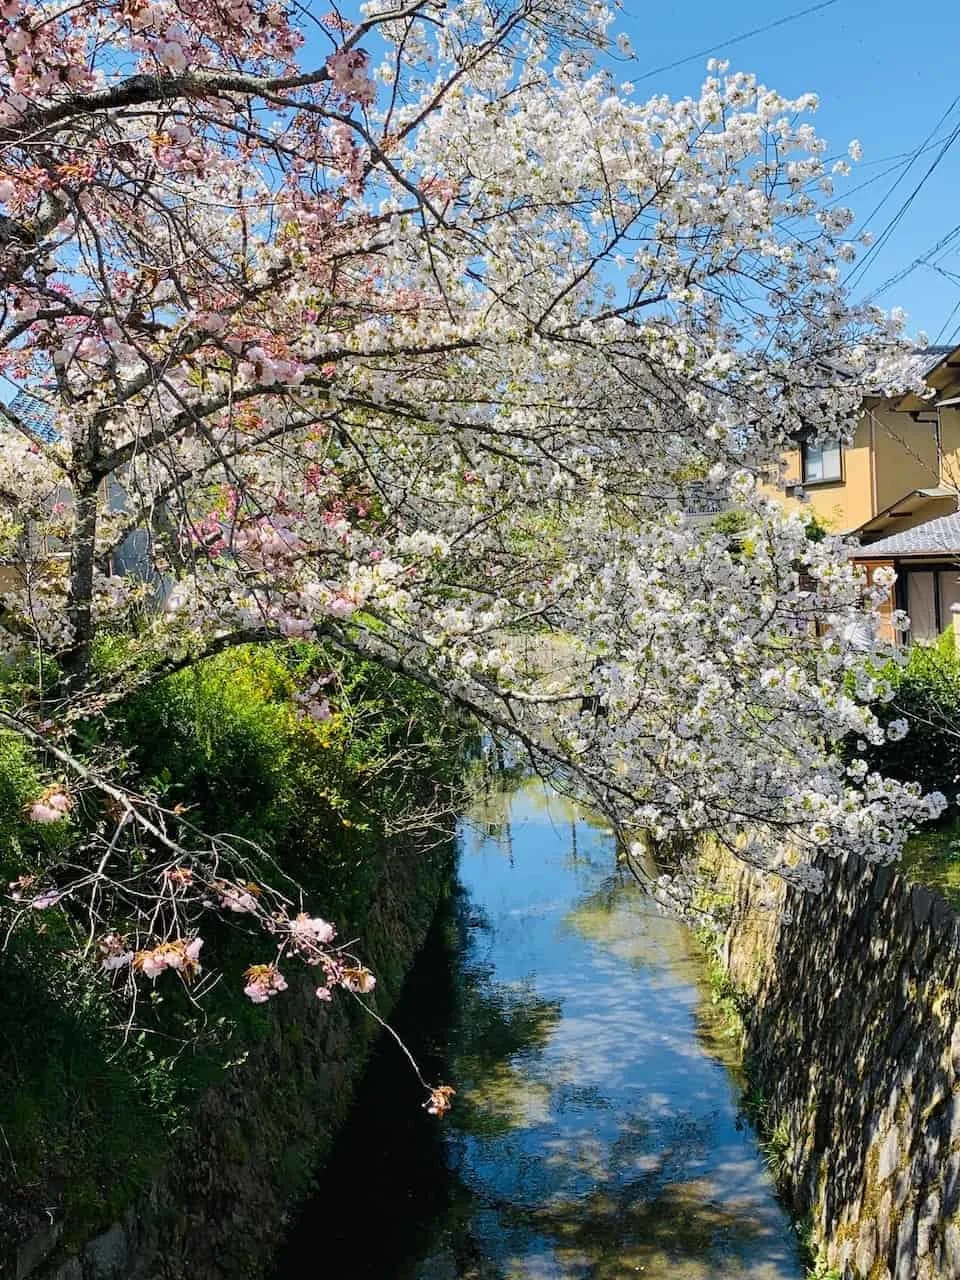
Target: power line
x: 913, y: 157
x: 888, y: 230
x: 745, y: 35
x: 899, y: 215
x: 942, y: 271
x: 900, y: 160
x: 922, y: 260
x: 943, y: 327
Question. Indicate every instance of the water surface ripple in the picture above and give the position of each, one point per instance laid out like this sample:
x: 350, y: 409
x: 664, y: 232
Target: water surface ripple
x: 596, y: 1132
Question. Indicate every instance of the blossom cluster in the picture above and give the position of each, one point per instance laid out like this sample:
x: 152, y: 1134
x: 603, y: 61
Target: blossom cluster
x: 53, y: 806
x: 263, y: 982
x: 349, y: 72
x: 181, y: 955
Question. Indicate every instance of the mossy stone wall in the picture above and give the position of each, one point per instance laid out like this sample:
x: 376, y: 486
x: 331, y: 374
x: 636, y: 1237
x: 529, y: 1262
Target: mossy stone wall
x: 248, y: 1157
x: 852, y: 1039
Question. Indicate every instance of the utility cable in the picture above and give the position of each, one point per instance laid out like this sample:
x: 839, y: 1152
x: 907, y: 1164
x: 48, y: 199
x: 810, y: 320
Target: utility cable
x: 725, y: 44
x: 894, y: 222
x: 922, y: 260
x: 943, y: 327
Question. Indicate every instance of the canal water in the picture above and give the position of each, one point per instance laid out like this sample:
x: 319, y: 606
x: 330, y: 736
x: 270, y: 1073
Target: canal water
x: 595, y: 1134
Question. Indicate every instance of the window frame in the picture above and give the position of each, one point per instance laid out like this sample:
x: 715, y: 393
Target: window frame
x: 839, y: 478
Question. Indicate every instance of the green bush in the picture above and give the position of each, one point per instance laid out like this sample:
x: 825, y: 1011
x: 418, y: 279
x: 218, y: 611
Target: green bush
x: 18, y: 782
x: 218, y: 738
x: 927, y: 695
x: 24, y: 846
x: 227, y: 741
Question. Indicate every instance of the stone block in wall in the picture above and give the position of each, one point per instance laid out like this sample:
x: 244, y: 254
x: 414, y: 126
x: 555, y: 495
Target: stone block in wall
x: 882, y: 878
x: 950, y: 1183
x: 853, y: 1036
x: 865, y: 1253
x: 107, y: 1257
x: 921, y: 904
x: 950, y: 1253
x: 889, y: 1159
x: 928, y: 1224
x: 69, y: 1270
x: 905, y: 1258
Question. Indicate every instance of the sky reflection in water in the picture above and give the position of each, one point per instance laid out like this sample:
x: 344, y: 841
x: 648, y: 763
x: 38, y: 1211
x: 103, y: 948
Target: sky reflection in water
x: 595, y: 1134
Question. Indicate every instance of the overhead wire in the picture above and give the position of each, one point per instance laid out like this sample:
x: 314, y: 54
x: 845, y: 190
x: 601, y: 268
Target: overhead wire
x: 744, y: 35
x: 894, y: 222
x: 921, y: 260
x: 943, y: 327
x: 899, y: 161
x: 906, y: 160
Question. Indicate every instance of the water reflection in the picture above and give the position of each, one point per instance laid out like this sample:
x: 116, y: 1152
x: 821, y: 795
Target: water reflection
x: 594, y: 1135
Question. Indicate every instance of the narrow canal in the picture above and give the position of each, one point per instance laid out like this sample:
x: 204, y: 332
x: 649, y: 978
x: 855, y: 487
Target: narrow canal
x: 595, y: 1133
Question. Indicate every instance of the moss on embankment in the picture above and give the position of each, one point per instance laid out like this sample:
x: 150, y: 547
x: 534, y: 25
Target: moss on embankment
x: 198, y: 1125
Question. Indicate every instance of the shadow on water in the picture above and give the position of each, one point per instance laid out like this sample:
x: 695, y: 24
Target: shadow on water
x: 389, y: 1193
x: 594, y: 1136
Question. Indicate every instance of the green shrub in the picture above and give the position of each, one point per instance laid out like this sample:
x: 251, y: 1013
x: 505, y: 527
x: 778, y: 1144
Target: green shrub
x: 18, y: 782
x: 24, y: 846
x: 927, y: 695
x: 219, y: 738
x: 227, y: 741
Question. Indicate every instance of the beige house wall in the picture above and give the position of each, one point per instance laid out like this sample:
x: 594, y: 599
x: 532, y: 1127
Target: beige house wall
x: 839, y: 504
x: 906, y: 455
x: 950, y: 445
x: 891, y: 455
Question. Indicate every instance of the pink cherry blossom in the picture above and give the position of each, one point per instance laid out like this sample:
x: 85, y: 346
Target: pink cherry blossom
x: 52, y: 806
x: 171, y: 55
x: 181, y: 955
x: 114, y: 954
x: 358, y: 979
x: 263, y: 982
x: 348, y: 70
x: 47, y: 899
x: 210, y: 322
x: 236, y: 899
x: 309, y: 933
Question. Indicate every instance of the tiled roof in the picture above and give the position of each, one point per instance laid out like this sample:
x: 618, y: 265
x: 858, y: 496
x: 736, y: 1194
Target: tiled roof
x: 929, y: 357
x: 894, y: 374
x: 35, y: 414
x: 936, y: 538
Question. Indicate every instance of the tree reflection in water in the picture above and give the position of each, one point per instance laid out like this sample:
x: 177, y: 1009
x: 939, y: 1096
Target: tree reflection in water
x: 409, y: 1214
x: 594, y: 1134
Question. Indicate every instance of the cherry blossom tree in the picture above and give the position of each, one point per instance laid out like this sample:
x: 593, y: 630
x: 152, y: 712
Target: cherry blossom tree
x: 412, y: 331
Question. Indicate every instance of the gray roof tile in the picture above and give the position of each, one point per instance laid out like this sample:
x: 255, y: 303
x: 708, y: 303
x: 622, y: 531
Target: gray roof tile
x: 936, y: 538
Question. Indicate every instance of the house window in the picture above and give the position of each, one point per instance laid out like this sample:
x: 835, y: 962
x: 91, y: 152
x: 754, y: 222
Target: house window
x: 932, y: 595
x: 923, y: 607
x: 821, y: 462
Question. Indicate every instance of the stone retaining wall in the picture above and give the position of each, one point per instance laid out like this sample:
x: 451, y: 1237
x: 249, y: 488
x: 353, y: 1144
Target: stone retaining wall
x: 256, y: 1141
x: 852, y: 1041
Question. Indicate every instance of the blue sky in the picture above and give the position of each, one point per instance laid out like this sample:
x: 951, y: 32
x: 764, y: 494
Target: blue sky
x: 885, y: 73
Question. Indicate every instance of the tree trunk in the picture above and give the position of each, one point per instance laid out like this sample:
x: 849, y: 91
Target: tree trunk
x: 76, y: 659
